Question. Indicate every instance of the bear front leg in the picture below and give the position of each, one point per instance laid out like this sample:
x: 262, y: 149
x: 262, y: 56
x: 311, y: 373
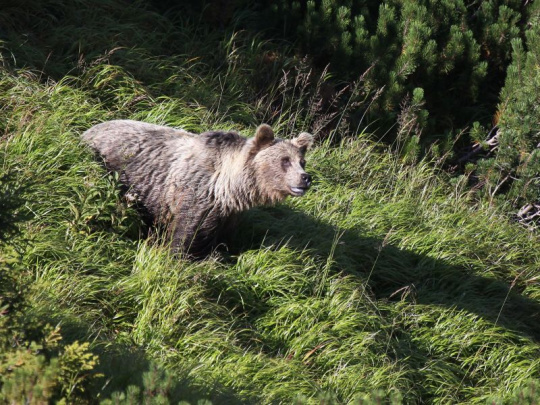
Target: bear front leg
x: 195, y: 235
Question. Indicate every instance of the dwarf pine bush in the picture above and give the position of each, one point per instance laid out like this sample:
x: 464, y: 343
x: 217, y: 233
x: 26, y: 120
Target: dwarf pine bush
x: 454, y: 51
x: 510, y: 174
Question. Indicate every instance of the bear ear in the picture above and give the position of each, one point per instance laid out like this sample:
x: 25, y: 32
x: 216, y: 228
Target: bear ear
x: 303, y: 141
x: 264, y: 136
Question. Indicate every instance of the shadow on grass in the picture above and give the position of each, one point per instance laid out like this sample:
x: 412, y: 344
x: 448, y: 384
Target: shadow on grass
x: 393, y: 273
x: 121, y: 364
x: 126, y: 370
x: 12, y: 211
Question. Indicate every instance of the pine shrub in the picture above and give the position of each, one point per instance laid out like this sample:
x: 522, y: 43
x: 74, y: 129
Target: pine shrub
x: 456, y: 51
x: 511, y: 174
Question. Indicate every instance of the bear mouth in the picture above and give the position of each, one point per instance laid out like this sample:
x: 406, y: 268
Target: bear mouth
x: 298, y: 191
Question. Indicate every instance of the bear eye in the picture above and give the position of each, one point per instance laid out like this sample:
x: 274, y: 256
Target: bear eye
x: 285, y: 163
x: 302, y: 163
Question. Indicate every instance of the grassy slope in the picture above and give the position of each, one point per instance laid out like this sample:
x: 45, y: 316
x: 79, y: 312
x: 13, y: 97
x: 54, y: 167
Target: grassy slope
x: 383, y: 277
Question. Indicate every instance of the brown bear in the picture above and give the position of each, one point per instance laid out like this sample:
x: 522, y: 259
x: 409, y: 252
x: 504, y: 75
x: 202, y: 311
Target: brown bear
x: 196, y: 184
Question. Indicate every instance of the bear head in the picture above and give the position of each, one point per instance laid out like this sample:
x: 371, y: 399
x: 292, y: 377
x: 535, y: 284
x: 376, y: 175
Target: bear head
x: 279, y: 164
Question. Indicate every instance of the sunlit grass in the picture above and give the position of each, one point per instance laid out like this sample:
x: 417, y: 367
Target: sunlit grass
x: 384, y: 278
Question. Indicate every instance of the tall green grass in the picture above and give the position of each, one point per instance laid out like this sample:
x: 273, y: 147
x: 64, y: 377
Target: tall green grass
x: 385, y: 278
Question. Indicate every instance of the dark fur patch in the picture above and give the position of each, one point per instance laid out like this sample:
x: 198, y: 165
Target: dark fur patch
x: 285, y: 163
x: 220, y: 139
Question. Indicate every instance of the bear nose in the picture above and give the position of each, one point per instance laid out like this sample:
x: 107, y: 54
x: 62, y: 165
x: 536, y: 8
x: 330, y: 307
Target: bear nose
x: 306, y: 178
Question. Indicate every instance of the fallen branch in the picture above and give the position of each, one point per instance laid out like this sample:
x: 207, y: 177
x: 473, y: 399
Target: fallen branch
x: 528, y: 214
x: 492, y: 143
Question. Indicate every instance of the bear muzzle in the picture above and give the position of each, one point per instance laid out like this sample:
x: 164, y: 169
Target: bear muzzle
x: 301, y: 189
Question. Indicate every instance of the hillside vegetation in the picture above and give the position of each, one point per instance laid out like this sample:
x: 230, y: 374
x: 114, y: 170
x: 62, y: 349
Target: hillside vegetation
x: 389, y: 282
x: 457, y: 78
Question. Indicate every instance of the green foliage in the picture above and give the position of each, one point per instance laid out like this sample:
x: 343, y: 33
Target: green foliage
x: 527, y: 394
x: 75, y: 363
x: 513, y: 171
x: 455, y: 50
x: 157, y: 389
x: 35, y: 365
x: 385, y: 284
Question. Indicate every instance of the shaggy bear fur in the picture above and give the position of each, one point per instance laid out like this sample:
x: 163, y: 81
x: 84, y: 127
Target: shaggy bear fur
x: 195, y: 184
